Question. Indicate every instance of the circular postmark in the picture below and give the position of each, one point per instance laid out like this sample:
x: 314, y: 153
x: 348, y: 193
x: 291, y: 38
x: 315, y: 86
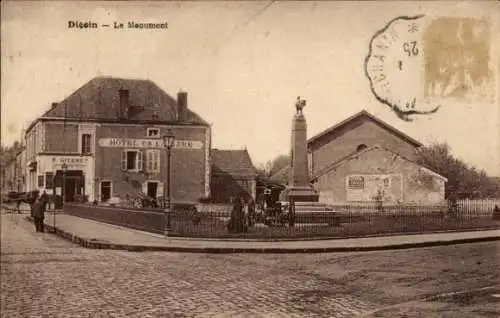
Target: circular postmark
x: 394, y: 67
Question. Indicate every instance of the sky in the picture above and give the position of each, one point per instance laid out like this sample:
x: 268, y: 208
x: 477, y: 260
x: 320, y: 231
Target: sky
x: 242, y: 63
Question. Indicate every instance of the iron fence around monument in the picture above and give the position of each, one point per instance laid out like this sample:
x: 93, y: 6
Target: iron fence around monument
x: 344, y: 221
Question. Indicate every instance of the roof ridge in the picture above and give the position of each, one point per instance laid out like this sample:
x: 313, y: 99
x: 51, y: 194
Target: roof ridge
x: 372, y: 117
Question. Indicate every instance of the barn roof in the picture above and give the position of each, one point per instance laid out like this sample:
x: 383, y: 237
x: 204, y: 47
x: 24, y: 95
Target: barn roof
x: 371, y: 117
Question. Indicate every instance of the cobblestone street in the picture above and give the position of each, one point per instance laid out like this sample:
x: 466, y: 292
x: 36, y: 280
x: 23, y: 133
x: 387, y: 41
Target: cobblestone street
x: 45, y: 276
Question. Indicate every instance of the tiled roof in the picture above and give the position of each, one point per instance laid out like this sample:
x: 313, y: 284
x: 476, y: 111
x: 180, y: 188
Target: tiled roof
x: 376, y: 120
x: 232, y: 162
x: 99, y: 99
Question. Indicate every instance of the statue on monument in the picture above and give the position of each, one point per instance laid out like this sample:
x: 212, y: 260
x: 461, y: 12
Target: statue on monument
x: 299, y: 105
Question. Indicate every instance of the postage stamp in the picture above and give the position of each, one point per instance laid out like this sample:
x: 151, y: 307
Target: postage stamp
x: 417, y: 64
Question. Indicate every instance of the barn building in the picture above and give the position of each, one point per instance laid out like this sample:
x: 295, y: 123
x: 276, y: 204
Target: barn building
x: 363, y: 159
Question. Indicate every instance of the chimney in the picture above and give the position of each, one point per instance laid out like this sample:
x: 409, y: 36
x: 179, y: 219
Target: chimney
x: 124, y: 103
x: 181, y: 106
x: 54, y: 104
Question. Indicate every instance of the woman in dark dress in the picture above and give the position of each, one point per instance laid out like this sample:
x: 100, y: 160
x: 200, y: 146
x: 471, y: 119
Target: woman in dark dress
x: 236, y: 222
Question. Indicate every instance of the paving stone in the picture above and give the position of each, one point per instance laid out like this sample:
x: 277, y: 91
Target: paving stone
x: 45, y: 276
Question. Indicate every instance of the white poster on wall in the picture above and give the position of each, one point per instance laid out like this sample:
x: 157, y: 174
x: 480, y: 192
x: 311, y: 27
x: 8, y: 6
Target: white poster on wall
x: 371, y: 187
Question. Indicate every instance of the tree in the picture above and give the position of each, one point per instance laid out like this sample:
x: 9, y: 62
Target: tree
x: 463, y: 181
x: 277, y: 164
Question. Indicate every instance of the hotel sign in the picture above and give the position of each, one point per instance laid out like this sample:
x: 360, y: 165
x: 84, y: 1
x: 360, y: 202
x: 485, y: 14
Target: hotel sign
x: 147, y: 143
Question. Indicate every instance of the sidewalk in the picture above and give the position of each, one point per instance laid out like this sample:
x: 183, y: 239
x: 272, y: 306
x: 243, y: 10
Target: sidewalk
x: 92, y: 234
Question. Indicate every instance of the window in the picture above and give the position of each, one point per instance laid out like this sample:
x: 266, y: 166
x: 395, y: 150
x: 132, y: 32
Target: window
x: 387, y: 182
x: 153, y: 132
x: 356, y: 182
x: 131, y: 160
x: 106, y: 190
x: 153, y: 160
x: 155, y: 115
x: 49, y: 180
x: 361, y: 147
x: 86, y: 138
x: 427, y: 180
x: 40, y: 181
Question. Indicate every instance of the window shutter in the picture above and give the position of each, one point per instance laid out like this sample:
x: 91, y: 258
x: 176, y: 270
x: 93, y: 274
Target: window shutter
x: 145, y: 187
x: 157, y: 161
x: 139, y: 160
x: 160, y: 190
x: 149, y: 161
x: 124, y: 160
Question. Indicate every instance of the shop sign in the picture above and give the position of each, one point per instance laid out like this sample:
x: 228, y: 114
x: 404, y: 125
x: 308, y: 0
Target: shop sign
x: 71, y: 162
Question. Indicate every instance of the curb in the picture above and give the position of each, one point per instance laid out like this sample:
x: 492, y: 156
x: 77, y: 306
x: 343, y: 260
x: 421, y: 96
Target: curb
x: 284, y: 239
x: 251, y: 250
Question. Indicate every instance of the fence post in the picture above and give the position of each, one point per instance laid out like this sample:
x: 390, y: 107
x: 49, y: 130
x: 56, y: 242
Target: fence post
x: 291, y: 213
x: 349, y: 219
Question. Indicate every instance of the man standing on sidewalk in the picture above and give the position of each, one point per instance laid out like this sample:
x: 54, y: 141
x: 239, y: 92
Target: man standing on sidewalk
x: 38, y: 214
x: 45, y: 200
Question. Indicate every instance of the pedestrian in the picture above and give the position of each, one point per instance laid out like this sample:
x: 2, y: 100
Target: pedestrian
x: 245, y: 221
x: 235, y: 224
x: 18, y: 206
x: 251, y: 211
x: 496, y: 213
x: 38, y: 214
x: 44, y: 198
x: 32, y: 195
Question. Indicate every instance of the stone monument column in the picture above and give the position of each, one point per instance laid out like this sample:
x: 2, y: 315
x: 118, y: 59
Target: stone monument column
x: 299, y: 188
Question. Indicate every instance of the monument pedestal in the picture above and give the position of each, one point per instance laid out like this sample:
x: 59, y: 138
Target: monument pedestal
x: 300, y: 194
x: 299, y: 188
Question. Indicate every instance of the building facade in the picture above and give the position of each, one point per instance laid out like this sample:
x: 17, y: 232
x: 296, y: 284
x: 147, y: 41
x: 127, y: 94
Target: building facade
x: 20, y: 177
x: 109, y: 132
x: 378, y: 174
x: 233, y: 175
x: 13, y: 172
x: 363, y: 159
x: 9, y: 175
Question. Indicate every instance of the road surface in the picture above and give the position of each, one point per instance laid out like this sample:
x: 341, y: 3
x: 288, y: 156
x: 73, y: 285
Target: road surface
x: 45, y: 276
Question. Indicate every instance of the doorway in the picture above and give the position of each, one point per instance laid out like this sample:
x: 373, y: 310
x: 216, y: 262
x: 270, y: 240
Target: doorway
x: 70, y: 189
x: 72, y: 183
x: 105, y: 191
x: 152, y: 189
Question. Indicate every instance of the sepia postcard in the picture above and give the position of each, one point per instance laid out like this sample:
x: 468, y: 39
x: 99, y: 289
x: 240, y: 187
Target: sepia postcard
x: 250, y: 159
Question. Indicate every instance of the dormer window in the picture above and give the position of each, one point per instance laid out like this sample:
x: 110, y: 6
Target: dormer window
x: 153, y: 132
x: 155, y: 115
